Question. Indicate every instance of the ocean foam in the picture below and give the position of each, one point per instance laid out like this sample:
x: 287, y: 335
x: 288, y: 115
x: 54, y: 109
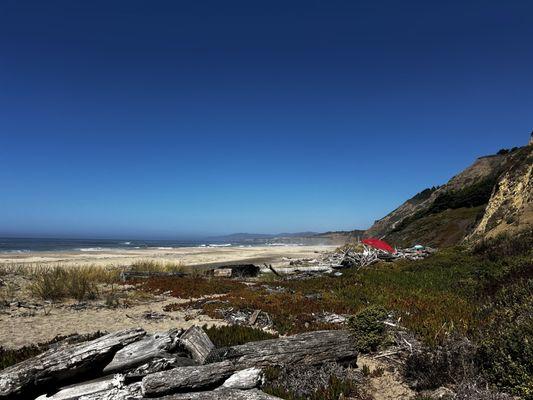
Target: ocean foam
x: 92, y: 249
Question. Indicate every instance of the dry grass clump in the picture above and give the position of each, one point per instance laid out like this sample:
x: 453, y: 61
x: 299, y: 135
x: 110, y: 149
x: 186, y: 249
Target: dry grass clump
x: 80, y: 283
x: 156, y: 266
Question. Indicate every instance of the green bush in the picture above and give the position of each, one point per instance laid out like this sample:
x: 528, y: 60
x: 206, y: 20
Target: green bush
x: 368, y: 328
x: 505, y: 245
x: 505, y: 354
x: 470, y: 196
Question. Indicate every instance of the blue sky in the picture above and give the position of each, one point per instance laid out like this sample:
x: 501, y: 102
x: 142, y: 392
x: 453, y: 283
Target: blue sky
x: 178, y: 118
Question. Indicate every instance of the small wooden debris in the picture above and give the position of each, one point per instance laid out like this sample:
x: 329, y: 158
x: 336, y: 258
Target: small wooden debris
x: 222, y: 273
x: 237, y: 271
x: 253, y: 317
x: 198, y: 343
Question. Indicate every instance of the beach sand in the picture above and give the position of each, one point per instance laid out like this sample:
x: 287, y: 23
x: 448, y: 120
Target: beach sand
x: 190, y: 256
x: 28, y: 320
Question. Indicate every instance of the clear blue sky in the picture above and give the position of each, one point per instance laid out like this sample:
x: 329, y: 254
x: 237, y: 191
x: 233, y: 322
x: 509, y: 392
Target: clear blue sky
x: 175, y: 118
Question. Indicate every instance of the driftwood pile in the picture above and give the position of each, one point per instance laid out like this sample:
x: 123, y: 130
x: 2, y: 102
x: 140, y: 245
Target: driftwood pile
x: 174, y: 365
x: 353, y: 259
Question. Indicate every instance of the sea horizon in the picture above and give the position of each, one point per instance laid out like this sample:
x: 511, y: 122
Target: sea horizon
x: 22, y: 245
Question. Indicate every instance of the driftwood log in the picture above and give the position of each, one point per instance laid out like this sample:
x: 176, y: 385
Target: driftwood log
x: 129, y: 392
x: 187, y: 379
x: 246, y: 379
x: 85, y: 389
x: 309, y: 348
x: 157, y: 365
x: 196, y: 341
x: 159, y: 360
x: 142, y: 351
x: 223, y: 394
x: 56, y: 366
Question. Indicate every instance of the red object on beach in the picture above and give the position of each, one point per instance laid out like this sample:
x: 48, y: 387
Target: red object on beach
x: 379, y: 244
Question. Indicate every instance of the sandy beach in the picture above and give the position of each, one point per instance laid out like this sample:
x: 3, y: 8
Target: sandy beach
x: 188, y: 256
x: 27, y: 320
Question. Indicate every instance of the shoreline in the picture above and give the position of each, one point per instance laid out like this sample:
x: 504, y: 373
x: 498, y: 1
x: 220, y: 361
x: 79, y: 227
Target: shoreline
x: 188, y: 256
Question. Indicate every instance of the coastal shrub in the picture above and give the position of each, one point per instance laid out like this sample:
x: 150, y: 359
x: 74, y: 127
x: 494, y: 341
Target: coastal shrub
x: 475, y: 195
x: 470, y: 196
x: 432, y: 367
x: 234, y: 335
x: 505, y: 353
x: 424, y: 194
x: 368, y: 328
x: 327, y: 382
x: 505, y: 245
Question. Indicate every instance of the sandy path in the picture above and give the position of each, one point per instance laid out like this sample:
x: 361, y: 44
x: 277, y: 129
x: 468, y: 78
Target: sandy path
x: 389, y: 385
x: 21, y: 327
x: 187, y: 255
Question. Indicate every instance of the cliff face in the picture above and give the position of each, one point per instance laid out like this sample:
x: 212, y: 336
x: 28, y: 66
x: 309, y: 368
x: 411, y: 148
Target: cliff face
x: 491, y: 196
x: 510, y: 208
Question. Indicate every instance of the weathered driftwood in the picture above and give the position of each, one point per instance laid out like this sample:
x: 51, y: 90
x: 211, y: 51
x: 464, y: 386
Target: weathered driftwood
x: 187, y: 379
x: 299, y: 269
x: 55, y: 366
x: 97, y: 386
x: 127, y: 392
x: 248, y: 378
x: 142, y: 351
x: 310, y: 348
x: 127, y: 275
x: 157, y: 365
x: 223, y: 394
x: 196, y: 341
x: 272, y: 269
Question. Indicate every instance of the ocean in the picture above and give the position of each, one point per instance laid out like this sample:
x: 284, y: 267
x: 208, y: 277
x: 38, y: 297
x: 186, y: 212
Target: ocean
x: 26, y: 245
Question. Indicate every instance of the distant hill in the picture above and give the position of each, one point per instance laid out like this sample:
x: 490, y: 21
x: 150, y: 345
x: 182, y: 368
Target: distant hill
x: 491, y: 196
x: 332, y: 237
x: 242, y: 237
